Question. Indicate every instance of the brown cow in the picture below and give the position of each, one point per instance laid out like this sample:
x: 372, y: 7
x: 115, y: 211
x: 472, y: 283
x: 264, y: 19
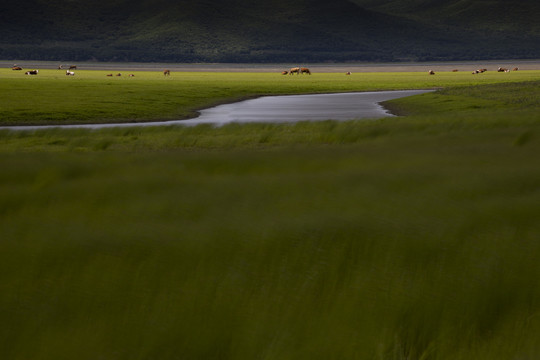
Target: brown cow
x: 294, y: 70
x: 166, y: 72
x: 305, y: 71
x: 71, y: 67
x: 109, y: 74
x: 284, y: 72
x: 501, y: 69
x: 515, y: 69
x: 348, y: 73
x: 431, y: 72
x: 32, y: 72
x: 119, y: 74
x: 455, y: 70
x: 16, y: 68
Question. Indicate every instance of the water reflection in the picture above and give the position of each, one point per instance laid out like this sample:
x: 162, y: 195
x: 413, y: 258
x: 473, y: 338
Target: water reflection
x: 289, y: 108
x: 343, y: 106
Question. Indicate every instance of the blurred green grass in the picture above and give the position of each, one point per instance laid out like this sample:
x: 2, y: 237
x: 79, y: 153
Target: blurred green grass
x: 401, y: 238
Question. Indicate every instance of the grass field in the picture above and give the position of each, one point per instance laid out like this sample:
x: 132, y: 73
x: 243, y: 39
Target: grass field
x: 91, y: 96
x: 401, y: 238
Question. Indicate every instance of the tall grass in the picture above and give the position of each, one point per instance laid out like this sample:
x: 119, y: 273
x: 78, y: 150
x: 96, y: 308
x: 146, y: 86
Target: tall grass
x: 357, y: 252
x: 405, y: 238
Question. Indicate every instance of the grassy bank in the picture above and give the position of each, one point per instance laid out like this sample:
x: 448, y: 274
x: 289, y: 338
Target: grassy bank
x: 402, y: 238
x: 51, y: 97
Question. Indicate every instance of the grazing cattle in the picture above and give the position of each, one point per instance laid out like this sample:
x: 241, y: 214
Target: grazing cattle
x: 109, y: 74
x: 294, y: 70
x: 166, y: 72
x: 16, y: 68
x: 131, y: 75
x: 70, y: 73
x: 515, y: 69
x: 305, y: 71
x: 501, y: 69
x: 455, y: 70
x: 118, y: 74
x: 284, y: 72
x: 431, y: 72
x: 32, y: 72
x: 348, y: 73
x: 72, y: 67
x: 479, y: 71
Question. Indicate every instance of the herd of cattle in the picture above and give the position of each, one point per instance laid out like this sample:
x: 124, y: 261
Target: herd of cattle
x: 297, y: 70
x: 480, y: 71
x: 294, y: 70
x: 69, y: 72
x: 302, y: 70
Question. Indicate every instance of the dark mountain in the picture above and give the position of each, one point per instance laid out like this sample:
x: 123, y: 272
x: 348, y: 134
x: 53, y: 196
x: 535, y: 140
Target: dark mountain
x: 495, y: 16
x: 487, y: 28
x: 266, y: 31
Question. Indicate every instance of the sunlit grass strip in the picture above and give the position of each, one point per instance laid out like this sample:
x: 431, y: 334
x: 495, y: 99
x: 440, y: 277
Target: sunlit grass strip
x: 452, y: 111
x: 51, y: 97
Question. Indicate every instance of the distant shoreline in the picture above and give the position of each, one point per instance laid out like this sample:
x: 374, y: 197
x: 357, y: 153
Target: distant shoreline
x: 357, y: 67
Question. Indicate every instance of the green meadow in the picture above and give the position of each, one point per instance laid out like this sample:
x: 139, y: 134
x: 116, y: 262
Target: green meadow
x: 51, y: 97
x: 412, y: 237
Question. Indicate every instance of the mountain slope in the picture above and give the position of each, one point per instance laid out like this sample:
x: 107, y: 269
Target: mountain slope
x: 480, y: 15
x: 242, y: 30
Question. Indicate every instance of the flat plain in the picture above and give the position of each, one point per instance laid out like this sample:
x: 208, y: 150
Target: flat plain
x: 413, y: 237
x: 91, y: 96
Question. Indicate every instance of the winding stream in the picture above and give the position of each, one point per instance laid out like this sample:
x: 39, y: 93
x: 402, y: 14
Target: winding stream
x: 276, y: 109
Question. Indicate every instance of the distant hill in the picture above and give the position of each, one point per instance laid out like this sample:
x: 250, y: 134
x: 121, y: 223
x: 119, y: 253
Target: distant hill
x: 496, y: 16
x: 268, y: 31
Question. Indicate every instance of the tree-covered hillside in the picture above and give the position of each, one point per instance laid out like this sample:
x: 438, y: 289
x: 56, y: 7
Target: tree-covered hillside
x: 495, y: 16
x: 247, y: 31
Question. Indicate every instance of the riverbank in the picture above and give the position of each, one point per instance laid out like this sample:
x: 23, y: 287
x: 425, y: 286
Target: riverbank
x: 352, y: 67
x: 273, y: 109
x: 52, y: 98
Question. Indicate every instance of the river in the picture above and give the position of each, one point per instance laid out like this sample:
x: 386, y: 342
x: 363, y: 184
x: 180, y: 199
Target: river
x: 276, y: 109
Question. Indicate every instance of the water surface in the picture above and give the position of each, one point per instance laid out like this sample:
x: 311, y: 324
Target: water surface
x: 293, y: 108
x: 277, y: 109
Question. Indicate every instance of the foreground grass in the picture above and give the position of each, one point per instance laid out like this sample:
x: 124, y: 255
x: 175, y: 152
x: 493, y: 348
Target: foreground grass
x: 409, y: 238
